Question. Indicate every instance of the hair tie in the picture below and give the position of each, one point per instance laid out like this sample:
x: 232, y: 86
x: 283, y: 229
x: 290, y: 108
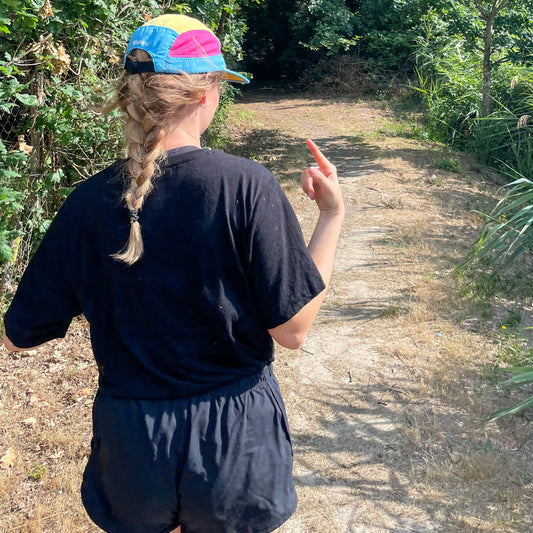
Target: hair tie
x: 134, y: 215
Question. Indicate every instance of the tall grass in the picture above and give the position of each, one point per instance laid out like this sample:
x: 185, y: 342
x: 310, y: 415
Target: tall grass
x: 523, y: 377
x: 505, y: 138
x: 508, y: 235
x: 508, y: 232
x: 449, y: 79
x: 450, y: 82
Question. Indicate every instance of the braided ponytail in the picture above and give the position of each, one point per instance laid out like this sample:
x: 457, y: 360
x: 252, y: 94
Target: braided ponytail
x: 144, y: 148
x: 152, y: 103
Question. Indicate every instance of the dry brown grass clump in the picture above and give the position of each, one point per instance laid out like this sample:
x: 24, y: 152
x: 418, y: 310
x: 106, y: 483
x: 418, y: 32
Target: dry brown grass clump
x: 45, y: 416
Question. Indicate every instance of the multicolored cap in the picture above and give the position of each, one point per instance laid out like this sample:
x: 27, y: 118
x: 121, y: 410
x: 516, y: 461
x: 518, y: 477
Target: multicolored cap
x: 176, y: 44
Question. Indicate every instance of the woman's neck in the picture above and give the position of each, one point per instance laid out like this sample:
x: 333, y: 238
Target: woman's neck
x: 178, y: 138
x: 186, y: 131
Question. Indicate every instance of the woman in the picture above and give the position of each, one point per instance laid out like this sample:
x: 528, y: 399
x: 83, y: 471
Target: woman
x: 186, y: 263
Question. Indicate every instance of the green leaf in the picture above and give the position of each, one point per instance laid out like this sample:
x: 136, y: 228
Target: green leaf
x: 8, y: 173
x: 6, y: 106
x: 6, y: 254
x: 9, y: 196
x: 29, y: 100
x: 55, y: 177
x: 528, y: 402
x: 65, y: 191
x: 524, y: 377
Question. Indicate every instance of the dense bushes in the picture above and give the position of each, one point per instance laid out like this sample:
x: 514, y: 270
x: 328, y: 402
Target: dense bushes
x: 451, y: 80
x: 453, y: 83
x: 59, y: 60
x: 56, y: 62
x: 288, y: 37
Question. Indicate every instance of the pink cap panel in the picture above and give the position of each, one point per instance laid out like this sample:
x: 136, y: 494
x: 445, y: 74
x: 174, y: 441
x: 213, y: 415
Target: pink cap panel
x: 195, y: 43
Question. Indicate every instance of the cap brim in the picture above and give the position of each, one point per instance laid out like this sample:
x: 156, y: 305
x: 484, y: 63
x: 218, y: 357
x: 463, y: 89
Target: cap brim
x: 230, y: 75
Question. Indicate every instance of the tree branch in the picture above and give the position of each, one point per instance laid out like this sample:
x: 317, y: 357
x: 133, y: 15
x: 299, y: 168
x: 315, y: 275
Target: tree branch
x: 499, y: 5
x: 481, y: 9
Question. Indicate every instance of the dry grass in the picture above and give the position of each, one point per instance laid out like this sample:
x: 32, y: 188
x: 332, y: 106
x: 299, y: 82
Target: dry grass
x: 45, y: 410
x: 457, y: 460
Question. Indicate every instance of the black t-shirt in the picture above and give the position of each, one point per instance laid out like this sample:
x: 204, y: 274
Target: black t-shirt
x: 224, y: 261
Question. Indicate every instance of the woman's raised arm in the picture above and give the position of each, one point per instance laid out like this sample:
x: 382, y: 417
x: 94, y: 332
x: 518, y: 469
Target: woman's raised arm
x: 321, y: 185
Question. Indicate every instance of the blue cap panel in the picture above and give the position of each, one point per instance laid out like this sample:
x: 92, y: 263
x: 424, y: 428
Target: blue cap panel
x: 157, y: 41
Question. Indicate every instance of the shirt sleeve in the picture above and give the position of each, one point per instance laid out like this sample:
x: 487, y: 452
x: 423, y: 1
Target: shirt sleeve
x: 282, y: 273
x: 46, y: 300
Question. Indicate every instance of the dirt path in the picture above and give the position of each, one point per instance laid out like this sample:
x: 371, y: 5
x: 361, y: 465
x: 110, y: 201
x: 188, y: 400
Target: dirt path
x: 387, y: 434
x: 345, y: 431
x: 386, y: 397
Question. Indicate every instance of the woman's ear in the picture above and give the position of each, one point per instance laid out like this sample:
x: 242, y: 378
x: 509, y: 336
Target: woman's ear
x: 203, y: 101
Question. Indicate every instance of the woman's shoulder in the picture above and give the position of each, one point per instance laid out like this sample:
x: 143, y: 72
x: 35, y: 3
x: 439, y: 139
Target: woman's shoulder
x: 111, y: 175
x: 237, y: 166
x: 105, y: 184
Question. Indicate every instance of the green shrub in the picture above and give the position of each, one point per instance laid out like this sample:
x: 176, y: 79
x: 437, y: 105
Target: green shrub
x: 449, y: 163
x: 505, y: 138
x: 508, y: 232
x: 450, y: 85
x: 58, y: 62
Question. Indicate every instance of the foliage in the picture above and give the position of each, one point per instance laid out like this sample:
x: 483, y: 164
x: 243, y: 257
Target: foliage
x: 37, y: 473
x: 288, y: 37
x: 508, y: 232
x: 505, y: 138
x: 449, y: 82
x: 512, y: 32
x: 58, y: 61
x: 507, y: 235
x: 10, y: 200
x: 388, y: 29
x: 522, y: 376
x: 449, y: 163
x: 325, y: 25
x: 217, y: 135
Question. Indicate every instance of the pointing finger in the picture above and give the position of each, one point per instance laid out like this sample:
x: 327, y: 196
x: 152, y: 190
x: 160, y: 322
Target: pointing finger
x: 320, y: 158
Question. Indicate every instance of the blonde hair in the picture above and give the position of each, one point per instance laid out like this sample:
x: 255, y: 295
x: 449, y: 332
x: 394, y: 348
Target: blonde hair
x: 151, y: 102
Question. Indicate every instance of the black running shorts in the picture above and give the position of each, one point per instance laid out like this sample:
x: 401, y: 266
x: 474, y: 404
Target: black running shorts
x: 219, y: 462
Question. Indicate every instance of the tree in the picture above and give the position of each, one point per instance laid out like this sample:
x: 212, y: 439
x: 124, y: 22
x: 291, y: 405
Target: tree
x: 488, y: 13
x: 287, y: 35
x: 499, y: 30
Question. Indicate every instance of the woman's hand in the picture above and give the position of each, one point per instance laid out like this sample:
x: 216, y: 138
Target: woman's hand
x: 321, y: 183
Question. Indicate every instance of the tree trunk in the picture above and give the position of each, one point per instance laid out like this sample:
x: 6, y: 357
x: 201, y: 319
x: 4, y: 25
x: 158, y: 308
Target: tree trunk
x: 485, y: 110
x: 497, y: 6
x: 221, y: 28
